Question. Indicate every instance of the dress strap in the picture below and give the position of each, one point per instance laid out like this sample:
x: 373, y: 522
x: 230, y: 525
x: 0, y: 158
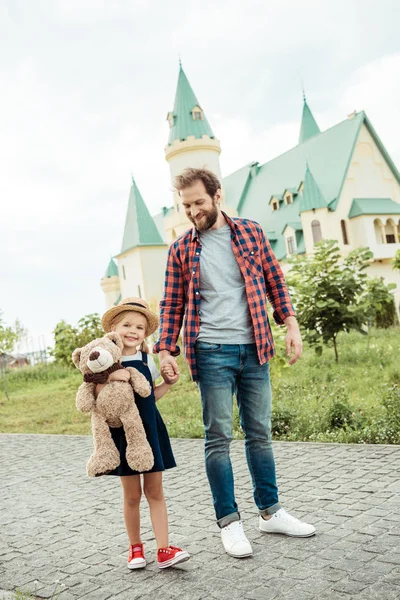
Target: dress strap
x: 144, y: 357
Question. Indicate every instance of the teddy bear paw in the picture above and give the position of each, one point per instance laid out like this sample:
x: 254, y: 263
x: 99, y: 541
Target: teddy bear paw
x: 102, y: 462
x: 139, y: 461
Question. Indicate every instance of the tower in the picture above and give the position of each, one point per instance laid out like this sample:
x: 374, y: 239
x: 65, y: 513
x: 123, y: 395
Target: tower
x: 141, y: 262
x: 110, y: 284
x: 309, y: 126
x: 191, y: 143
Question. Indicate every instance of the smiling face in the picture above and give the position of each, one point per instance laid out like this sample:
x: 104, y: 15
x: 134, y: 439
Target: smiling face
x: 200, y: 208
x: 131, y: 326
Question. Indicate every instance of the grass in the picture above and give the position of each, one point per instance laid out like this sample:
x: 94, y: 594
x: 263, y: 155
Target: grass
x: 316, y: 399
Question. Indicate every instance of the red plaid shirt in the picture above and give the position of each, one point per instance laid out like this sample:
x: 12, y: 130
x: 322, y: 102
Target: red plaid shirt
x: 181, y: 301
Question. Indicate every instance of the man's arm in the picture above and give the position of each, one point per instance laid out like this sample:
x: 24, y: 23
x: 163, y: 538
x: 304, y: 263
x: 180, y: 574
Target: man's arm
x: 172, y: 309
x: 275, y: 283
x: 279, y: 298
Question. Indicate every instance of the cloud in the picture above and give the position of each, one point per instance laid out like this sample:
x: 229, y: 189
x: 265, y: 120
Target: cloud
x: 86, y: 86
x: 375, y: 88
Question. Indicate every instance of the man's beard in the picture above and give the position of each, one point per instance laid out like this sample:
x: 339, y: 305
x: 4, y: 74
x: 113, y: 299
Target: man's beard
x: 208, y: 219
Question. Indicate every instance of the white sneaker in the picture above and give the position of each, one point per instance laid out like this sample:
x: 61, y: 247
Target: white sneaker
x: 282, y: 522
x: 234, y: 540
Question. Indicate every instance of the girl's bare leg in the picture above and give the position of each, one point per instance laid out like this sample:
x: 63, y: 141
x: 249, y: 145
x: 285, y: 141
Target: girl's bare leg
x: 132, y: 493
x: 158, y: 509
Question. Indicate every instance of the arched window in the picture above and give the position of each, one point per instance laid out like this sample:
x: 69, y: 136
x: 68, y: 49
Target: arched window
x: 344, y: 232
x: 390, y: 232
x: 316, y: 231
x: 379, y: 231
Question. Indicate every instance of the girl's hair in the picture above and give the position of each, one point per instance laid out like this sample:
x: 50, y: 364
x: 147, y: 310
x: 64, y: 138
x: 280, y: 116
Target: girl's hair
x: 121, y: 316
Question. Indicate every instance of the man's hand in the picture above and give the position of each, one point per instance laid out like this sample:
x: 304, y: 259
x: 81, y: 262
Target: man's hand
x: 169, y: 368
x: 293, y: 340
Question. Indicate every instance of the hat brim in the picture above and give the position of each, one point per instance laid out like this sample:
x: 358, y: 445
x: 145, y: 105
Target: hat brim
x: 110, y: 314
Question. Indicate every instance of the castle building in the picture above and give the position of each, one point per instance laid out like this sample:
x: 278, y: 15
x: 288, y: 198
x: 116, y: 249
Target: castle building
x: 336, y: 184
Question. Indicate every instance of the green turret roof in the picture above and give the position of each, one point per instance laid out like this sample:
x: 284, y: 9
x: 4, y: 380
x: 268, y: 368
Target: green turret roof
x: 112, y: 269
x: 184, y: 124
x: 309, y: 126
x: 140, y: 229
x: 312, y: 195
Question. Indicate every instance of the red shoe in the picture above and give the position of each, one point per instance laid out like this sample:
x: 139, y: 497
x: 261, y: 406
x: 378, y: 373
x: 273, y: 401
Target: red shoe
x: 136, y: 559
x: 168, y: 557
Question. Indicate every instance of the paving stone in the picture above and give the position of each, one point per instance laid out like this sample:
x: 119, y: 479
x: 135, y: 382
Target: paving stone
x: 75, y: 532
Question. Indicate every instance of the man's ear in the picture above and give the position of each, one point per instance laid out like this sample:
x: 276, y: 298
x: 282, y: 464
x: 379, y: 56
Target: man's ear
x: 76, y: 357
x: 113, y: 336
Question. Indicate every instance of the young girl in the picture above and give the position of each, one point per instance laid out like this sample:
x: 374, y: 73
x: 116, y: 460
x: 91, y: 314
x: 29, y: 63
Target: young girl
x: 133, y: 321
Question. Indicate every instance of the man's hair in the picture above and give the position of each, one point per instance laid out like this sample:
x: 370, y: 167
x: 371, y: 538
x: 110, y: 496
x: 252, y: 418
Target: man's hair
x: 190, y: 175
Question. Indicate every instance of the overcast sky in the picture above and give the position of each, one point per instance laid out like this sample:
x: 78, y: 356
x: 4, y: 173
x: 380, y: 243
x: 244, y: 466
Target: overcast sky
x: 85, y: 89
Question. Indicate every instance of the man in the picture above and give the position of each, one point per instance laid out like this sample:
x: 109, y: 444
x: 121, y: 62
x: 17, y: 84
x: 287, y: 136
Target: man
x: 218, y: 277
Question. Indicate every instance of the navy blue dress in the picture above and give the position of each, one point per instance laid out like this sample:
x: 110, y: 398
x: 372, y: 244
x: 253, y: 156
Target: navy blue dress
x: 154, y: 426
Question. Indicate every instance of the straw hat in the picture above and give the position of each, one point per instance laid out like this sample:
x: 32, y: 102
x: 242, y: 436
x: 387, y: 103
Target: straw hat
x: 136, y: 304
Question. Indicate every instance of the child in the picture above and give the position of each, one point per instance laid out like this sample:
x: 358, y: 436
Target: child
x: 133, y: 321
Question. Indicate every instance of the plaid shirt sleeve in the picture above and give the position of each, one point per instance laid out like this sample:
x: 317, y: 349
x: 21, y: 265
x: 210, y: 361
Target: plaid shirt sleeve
x: 172, y: 306
x: 277, y: 291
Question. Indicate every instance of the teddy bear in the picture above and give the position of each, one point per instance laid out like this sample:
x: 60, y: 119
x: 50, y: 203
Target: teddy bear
x: 114, y: 406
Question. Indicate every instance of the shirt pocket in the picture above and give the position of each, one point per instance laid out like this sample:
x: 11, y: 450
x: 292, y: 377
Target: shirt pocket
x: 253, y: 263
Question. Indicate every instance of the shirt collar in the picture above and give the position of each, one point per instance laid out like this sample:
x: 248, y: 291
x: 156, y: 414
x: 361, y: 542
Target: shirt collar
x: 232, y: 224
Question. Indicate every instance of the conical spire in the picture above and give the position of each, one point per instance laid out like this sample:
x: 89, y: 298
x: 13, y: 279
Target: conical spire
x: 312, y: 195
x: 112, y: 269
x: 309, y: 126
x: 140, y: 229
x: 187, y: 118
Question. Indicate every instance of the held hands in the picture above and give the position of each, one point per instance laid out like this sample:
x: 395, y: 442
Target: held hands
x: 169, y: 370
x: 294, y: 343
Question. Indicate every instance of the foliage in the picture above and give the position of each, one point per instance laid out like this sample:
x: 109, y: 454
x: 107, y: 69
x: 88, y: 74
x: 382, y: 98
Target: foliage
x: 19, y: 594
x: 329, y: 293
x: 356, y: 401
x: 8, y: 336
x: 382, y: 309
x: 396, y: 261
x: 67, y: 337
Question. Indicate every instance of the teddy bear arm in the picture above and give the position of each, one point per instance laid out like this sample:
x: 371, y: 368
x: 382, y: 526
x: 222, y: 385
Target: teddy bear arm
x: 85, y: 398
x: 139, y: 382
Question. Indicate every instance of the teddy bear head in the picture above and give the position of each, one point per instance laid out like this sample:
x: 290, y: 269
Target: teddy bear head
x: 99, y: 355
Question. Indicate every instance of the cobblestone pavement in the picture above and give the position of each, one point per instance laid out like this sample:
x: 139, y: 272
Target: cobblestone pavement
x: 57, y: 524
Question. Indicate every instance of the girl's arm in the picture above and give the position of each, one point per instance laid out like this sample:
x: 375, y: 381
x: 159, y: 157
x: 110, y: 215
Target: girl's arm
x: 161, y: 389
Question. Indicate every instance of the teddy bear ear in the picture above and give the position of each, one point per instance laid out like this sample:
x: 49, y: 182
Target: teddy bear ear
x: 113, y: 336
x: 76, y: 357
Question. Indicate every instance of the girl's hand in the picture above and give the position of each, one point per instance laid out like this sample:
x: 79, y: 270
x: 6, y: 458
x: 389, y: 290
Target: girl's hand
x: 120, y: 375
x: 169, y: 375
x: 98, y: 388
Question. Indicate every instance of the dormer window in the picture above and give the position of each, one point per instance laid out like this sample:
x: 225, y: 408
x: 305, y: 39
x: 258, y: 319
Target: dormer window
x: 197, y: 114
x: 301, y: 187
x: 288, y: 198
x: 171, y: 120
x: 275, y: 205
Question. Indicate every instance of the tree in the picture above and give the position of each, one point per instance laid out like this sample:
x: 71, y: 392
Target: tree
x: 7, y: 336
x: 396, y: 261
x: 382, y: 309
x: 67, y: 337
x: 329, y: 293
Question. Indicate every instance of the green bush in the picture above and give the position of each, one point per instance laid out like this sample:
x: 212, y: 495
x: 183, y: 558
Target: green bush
x: 339, y: 415
x: 281, y: 422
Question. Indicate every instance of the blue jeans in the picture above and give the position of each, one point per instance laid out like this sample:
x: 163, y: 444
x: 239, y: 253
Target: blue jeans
x: 225, y: 370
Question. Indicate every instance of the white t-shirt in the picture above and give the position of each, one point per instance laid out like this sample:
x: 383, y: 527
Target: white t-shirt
x: 150, y: 363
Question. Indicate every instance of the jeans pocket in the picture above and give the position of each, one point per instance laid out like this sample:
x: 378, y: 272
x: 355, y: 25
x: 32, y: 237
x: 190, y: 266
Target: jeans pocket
x: 207, y: 347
